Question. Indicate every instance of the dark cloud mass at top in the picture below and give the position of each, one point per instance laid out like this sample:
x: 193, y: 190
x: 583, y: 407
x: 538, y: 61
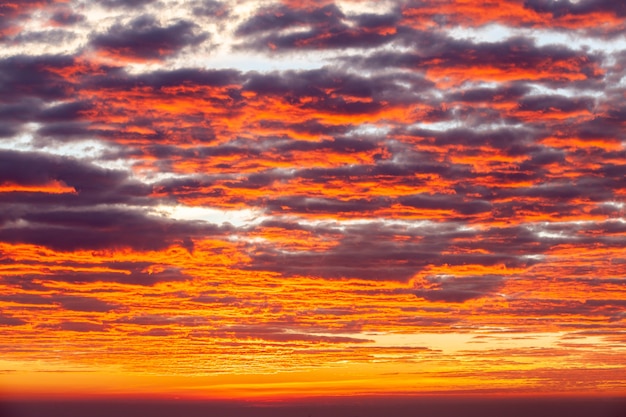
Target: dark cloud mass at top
x: 72, y: 99
x: 308, y: 175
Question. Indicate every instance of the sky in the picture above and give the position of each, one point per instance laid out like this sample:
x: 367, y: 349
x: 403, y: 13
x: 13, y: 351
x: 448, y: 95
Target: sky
x: 275, y: 200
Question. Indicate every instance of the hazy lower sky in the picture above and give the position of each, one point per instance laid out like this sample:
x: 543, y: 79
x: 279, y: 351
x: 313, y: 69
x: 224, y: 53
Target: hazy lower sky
x: 273, y: 200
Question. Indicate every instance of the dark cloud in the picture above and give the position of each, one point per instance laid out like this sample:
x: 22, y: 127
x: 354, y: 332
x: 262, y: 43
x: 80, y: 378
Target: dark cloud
x: 81, y: 303
x: 45, y: 89
x: 53, y: 220
x: 85, y: 185
x: 144, y: 39
x: 160, y: 79
x: 302, y: 204
x: 503, y: 93
x: 66, y: 17
x: 80, y: 326
x: 333, y: 91
x: 562, y: 8
x: 593, y: 189
x: 326, y: 27
x: 446, y: 202
x: 129, y: 274
x: 64, y: 112
x: 57, y: 36
x: 14, y: 115
x: 65, y: 131
x: 282, y: 17
x: 451, y: 289
x: 68, y: 230
x: 372, y: 251
x: 31, y: 299
x: 66, y: 302
x: 125, y: 4
x: 519, y: 58
x: 512, y: 139
x: 160, y: 320
x: 35, y: 76
x: 613, y: 306
x: 552, y: 103
x: 6, y: 320
x: 541, y: 157
x: 32, y: 168
x: 600, y: 127
x: 211, y: 8
x: 380, y: 251
x: 375, y: 261
x: 313, y: 127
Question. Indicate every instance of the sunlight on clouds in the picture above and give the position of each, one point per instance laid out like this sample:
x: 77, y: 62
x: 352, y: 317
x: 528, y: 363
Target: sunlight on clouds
x: 487, y: 33
x: 238, y: 218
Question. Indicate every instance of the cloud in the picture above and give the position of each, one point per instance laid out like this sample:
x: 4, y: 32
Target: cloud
x: 551, y: 103
x: 274, y: 334
x: 80, y: 326
x: 324, y: 27
x: 68, y: 230
x: 11, y: 15
x: 52, y: 218
x: 565, y: 7
x: 512, y: 60
x: 66, y: 112
x: 35, y: 76
x: 137, y: 273
x: 87, y: 304
x: 283, y: 17
x: 85, y: 179
x: 160, y: 320
x: 157, y: 332
x: 124, y: 4
x: 158, y: 81
x: 66, y: 17
x: 561, y: 15
x: 445, y: 202
x: 450, y: 289
x: 211, y: 8
x: 6, y: 320
x: 44, y: 36
x: 355, y: 254
x: 144, y: 39
x: 66, y: 302
x: 509, y: 92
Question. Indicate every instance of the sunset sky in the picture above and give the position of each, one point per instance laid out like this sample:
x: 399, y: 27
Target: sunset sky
x: 274, y: 200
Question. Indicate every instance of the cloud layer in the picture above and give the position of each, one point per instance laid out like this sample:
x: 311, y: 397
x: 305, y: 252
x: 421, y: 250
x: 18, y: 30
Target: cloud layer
x: 288, y: 185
